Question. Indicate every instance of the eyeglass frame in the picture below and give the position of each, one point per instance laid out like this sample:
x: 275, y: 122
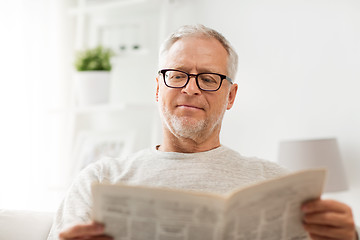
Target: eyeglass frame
x: 189, y: 75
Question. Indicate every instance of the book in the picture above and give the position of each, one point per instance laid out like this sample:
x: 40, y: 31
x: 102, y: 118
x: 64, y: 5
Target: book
x: 266, y: 210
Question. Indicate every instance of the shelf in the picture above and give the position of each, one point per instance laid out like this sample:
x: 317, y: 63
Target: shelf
x: 100, y: 6
x: 110, y: 108
x: 130, y: 52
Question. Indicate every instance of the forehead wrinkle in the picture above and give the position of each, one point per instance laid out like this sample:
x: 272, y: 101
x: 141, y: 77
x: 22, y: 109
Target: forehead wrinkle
x: 191, y: 68
x: 191, y: 71
x: 175, y: 58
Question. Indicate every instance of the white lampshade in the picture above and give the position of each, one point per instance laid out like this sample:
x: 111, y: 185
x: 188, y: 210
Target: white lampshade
x: 304, y: 154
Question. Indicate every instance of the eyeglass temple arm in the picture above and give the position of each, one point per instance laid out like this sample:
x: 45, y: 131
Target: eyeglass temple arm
x: 229, y: 79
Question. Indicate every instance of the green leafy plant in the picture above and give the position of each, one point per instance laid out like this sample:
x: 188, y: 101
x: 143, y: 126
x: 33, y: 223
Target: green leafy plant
x: 96, y: 59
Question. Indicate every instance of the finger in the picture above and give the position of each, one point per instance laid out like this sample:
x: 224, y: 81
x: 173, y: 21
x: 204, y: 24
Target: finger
x: 82, y: 230
x: 102, y: 237
x: 322, y: 230
x: 328, y: 218
x: 317, y: 237
x: 329, y: 232
x: 321, y: 205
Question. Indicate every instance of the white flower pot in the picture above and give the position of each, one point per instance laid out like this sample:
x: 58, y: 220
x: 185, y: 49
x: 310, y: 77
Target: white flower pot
x: 92, y: 87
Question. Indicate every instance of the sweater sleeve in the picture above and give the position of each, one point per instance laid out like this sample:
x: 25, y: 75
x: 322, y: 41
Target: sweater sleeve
x: 76, y: 206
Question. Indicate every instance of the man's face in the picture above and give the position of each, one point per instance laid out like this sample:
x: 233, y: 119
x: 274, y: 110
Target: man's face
x: 190, y: 112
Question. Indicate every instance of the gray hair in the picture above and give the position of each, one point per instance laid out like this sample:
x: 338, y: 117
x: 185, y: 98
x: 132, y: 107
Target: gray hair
x: 201, y: 30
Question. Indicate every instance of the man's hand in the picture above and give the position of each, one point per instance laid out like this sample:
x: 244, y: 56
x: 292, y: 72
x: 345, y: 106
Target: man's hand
x: 328, y: 219
x: 91, y: 231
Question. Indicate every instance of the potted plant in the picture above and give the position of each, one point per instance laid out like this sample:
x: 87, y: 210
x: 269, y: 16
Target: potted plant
x: 93, y: 75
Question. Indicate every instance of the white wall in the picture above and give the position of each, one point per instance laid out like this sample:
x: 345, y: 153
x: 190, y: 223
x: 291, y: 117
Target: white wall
x: 298, y: 72
x: 32, y: 92
x: 298, y: 76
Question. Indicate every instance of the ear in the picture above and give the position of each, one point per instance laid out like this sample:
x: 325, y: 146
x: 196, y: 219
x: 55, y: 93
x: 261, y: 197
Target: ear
x: 232, y: 95
x: 157, y: 89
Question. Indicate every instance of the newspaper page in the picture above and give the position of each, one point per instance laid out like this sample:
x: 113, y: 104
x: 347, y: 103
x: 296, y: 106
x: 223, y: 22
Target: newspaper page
x: 269, y: 210
x: 145, y: 213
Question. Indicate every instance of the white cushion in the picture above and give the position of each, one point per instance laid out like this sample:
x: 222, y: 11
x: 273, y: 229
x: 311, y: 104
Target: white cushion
x: 15, y: 224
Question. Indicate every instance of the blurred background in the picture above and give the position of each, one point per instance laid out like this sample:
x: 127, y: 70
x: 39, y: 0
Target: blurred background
x: 298, y: 79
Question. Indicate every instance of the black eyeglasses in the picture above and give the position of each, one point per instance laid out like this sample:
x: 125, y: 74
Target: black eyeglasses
x: 205, y: 81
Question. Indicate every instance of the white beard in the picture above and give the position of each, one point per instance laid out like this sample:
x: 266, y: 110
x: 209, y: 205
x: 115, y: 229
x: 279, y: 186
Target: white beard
x: 186, y: 128
x: 182, y: 126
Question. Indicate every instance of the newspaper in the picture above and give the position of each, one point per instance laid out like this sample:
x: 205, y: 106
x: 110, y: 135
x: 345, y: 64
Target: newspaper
x: 269, y: 210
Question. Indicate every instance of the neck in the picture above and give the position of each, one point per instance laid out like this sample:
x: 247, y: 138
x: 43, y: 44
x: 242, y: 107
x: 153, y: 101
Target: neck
x: 173, y: 143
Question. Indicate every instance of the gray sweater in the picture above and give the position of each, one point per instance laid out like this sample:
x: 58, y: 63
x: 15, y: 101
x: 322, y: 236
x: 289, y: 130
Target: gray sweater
x: 218, y: 171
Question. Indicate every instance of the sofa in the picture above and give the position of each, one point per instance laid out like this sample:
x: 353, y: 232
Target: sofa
x: 29, y: 225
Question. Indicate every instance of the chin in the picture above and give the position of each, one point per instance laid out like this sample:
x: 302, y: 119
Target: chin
x: 184, y: 126
x: 188, y: 127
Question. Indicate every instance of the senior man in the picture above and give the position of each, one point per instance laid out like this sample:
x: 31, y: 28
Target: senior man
x: 194, y: 89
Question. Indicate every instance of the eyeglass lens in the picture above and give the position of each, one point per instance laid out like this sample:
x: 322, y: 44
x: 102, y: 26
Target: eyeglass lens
x: 206, y: 81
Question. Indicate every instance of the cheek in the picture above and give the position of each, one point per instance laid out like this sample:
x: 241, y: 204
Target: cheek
x: 217, y: 105
x: 161, y: 92
x: 166, y: 95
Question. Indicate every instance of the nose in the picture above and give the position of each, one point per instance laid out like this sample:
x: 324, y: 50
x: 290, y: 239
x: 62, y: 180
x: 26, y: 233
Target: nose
x: 191, y: 87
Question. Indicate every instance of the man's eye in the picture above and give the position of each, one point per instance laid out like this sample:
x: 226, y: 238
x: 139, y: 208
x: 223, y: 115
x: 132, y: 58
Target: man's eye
x: 178, y: 76
x: 208, y: 79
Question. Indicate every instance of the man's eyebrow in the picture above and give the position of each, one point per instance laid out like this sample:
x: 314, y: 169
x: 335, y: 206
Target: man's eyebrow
x: 180, y: 67
x: 207, y: 70
x: 200, y: 70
